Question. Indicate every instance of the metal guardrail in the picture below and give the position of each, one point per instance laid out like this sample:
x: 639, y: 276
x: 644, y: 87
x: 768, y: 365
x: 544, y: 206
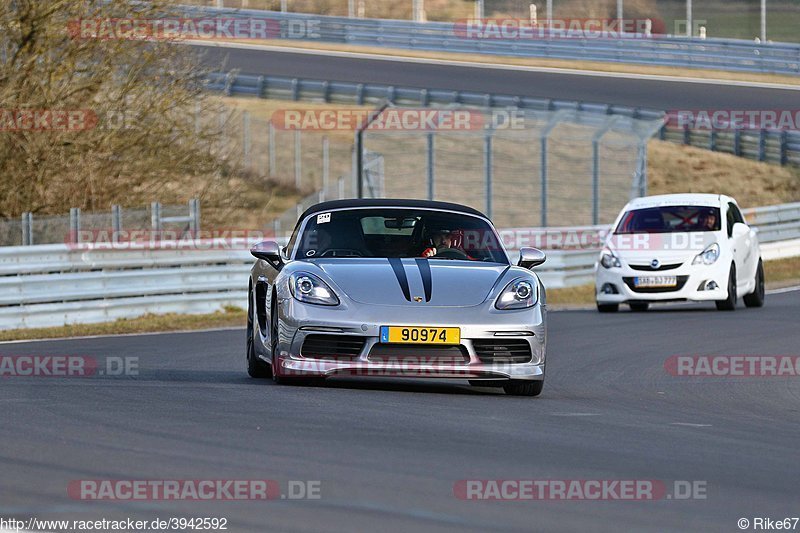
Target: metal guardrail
x: 54, y: 284
x: 284, y: 88
x: 724, y: 54
x: 781, y: 147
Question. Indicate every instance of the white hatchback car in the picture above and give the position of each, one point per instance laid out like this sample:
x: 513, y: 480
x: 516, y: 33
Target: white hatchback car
x: 678, y: 247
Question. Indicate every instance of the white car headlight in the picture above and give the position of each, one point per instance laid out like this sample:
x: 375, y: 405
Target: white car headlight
x: 308, y: 288
x: 519, y: 294
x: 708, y: 256
x: 609, y: 260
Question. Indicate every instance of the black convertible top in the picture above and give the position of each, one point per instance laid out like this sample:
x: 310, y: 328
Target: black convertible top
x: 389, y: 202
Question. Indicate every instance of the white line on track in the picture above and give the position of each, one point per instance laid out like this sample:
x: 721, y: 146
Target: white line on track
x: 493, y: 66
x: 689, y: 424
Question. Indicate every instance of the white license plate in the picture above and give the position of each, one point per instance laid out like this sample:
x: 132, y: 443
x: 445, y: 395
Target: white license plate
x: 655, y: 281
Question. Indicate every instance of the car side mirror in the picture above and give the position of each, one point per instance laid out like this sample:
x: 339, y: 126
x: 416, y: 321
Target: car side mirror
x: 269, y: 251
x: 740, y: 230
x: 531, y: 257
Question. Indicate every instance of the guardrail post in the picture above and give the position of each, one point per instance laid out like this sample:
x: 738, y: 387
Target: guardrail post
x: 74, y: 225
x: 271, y: 148
x: 326, y: 89
x: 360, y: 94
x: 229, y: 80
x: 712, y: 140
x: 423, y: 98
x: 27, y: 229
x: 261, y: 86
x: 295, y: 89
x: 784, y: 147
x: 662, y: 133
x: 687, y: 134
x: 762, y: 144
x: 298, y: 155
x: 116, y: 223
x: 487, y: 170
x: 390, y: 94
x: 737, y: 142
x: 431, y: 164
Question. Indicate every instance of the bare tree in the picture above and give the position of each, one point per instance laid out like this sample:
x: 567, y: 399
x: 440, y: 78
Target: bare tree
x: 150, y: 130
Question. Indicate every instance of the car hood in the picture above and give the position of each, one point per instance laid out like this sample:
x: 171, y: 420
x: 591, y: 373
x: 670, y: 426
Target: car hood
x: 668, y: 248
x: 449, y: 283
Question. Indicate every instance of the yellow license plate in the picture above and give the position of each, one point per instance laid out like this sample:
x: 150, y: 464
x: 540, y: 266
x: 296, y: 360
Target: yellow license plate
x: 420, y: 335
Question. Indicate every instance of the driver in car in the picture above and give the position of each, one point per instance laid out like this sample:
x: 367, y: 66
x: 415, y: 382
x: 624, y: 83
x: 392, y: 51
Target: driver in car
x: 439, y: 240
x: 708, y: 220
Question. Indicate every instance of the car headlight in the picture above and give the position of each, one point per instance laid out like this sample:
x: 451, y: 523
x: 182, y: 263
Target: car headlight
x: 519, y: 294
x: 308, y: 288
x: 708, y: 256
x: 609, y: 260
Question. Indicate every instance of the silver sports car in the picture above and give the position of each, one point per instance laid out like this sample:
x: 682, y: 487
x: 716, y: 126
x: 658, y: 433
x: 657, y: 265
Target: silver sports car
x: 396, y: 288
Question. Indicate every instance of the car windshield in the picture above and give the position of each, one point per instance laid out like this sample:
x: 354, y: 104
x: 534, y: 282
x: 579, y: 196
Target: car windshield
x: 669, y: 219
x: 400, y: 233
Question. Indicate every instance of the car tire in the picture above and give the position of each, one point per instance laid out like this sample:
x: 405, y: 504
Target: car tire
x: 639, y: 307
x: 756, y: 298
x: 729, y: 304
x: 256, y: 368
x: 518, y: 387
x: 607, y: 308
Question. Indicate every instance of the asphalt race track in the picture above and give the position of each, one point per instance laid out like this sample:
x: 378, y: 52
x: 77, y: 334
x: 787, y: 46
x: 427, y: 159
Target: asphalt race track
x: 388, y: 453
x: 652, y: 94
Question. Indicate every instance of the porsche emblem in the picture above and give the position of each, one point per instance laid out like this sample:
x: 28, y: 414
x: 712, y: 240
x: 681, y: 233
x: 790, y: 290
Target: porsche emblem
x: 417, y: 299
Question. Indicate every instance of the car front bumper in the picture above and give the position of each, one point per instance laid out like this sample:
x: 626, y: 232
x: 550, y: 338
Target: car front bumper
x: 691, y: 286
x: 479, y: 323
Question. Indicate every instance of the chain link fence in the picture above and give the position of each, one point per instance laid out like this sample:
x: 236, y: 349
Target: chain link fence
x: 151, y: 222
x: 563, y: 168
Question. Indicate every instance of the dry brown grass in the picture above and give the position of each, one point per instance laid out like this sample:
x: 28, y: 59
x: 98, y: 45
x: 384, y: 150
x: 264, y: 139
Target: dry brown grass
x: 675, y: 168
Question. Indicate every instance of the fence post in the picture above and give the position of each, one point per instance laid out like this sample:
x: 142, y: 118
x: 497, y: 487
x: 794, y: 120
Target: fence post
x: 431, y: 164
x: 27, y: 229
x: 487, y: 170
x: 155, y: 220
x: 74, y: 225
x: 326, y: 162
x: 271, y: 148
x: 784, y: 147
x: 298, y: 153
x: 246, y: 138
x: 194, y: 217
x: 543, y: 174
x: 116, y: 222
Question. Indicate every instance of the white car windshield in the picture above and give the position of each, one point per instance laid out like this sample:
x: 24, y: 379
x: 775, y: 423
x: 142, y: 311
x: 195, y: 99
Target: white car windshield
x: 400, y: 233
x: 669, y: 219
